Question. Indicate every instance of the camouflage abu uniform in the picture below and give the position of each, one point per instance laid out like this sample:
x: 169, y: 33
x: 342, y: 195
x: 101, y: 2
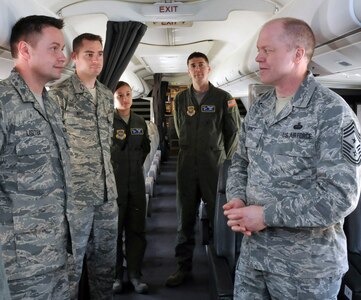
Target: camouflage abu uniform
x: 34, y: 187
x: 303, y: 167
x: 94, y: 218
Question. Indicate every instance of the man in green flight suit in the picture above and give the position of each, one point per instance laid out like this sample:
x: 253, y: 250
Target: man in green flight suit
x: 207, y: 123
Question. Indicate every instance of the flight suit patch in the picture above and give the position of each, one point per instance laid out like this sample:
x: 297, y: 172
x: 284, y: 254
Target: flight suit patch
x: 191, y: 111
x: 208, y: 108
x: 351, y: 144
x: 120, y: 134
x: 136, y: 131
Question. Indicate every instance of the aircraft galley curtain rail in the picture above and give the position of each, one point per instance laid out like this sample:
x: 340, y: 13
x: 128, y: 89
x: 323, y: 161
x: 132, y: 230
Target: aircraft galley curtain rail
x: 122, y: 39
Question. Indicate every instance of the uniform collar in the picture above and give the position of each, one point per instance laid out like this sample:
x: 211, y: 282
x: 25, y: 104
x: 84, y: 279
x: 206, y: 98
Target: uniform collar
x: 27, y: 95
x: 79, y: 87
x: 305, y: 91
x: 20, y: 85
x: 191, y: 90
x: 116, y: 116
x: 301, y: 99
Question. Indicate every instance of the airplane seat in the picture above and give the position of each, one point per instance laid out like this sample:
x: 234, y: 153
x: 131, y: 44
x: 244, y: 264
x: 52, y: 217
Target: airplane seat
x: 223, y: 252
x: 351, y: 283
x: 150, y: 166
x: 204, y: 224
x: 226, y: 242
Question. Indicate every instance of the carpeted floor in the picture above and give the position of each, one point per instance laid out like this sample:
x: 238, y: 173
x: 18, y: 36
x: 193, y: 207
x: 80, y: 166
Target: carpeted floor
x: 159, y: 260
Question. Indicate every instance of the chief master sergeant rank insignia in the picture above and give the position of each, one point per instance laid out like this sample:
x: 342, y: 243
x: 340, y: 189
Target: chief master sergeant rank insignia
x: 351, y: 144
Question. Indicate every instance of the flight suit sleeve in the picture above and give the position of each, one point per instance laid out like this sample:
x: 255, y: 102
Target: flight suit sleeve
x: 145, y: 143
x: 176, y: 114
x: 231, y: 124
x: 336, y: 190
x: 237, y: 172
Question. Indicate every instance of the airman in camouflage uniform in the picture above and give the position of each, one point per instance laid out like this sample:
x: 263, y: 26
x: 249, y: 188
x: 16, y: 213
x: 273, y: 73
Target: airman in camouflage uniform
x: 294, y: 177
x: 34, y: 165
x: 88, y: 119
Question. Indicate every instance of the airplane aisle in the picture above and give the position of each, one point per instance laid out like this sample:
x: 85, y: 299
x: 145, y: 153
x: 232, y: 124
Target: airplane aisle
x: 159, y: 260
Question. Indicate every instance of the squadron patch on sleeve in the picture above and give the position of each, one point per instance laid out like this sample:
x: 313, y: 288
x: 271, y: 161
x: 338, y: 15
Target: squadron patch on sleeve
x: 351, y: 144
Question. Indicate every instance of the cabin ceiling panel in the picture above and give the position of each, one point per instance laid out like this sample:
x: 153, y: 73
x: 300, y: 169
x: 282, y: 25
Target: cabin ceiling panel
x: 342, y: 55
x: 169, y: 59
x: 207, y: 10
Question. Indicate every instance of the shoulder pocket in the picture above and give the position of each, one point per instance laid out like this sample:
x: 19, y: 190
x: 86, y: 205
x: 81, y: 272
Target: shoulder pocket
x: 253, y: 136
x: 34, y: 164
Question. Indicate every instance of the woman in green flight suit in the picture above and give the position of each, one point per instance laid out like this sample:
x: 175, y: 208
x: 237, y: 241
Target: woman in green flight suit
x: 129, y: 150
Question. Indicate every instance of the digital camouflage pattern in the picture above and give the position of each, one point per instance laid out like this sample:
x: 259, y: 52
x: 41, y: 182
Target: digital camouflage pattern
x: 4, y: 288
x: 254, y: 284
x: 294, y: 164
x: 90, y: 131
x: 34, y: 186
x: 93, y: 214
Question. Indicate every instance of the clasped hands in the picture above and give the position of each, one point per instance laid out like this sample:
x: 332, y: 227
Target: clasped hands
x: 242, y: 218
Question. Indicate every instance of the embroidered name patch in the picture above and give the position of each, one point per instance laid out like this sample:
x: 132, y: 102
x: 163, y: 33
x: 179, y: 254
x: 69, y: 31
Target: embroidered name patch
x: 136, y: 131
x: 33, y: 132
x: 208, y: 108
x: 351, y: 146
x: 297, y: 135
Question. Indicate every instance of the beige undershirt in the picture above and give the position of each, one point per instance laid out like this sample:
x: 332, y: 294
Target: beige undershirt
x: 281, y: 102
x: 93, y: 92
x: 125, y: 118
x: 40, y: 100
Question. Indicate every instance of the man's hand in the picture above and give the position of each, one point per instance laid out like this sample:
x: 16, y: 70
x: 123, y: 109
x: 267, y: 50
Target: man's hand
x: 244, y: 219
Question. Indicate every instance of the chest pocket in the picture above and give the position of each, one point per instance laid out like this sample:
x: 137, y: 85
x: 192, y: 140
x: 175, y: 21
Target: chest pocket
x: 295, y: 156
x: 296, y: 144
x: 34, y: 166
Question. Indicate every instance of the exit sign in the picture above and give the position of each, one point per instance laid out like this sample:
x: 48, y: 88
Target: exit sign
x: 165, y: 10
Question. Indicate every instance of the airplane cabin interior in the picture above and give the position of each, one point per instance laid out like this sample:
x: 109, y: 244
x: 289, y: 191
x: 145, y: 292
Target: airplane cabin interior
x: 146, y: 43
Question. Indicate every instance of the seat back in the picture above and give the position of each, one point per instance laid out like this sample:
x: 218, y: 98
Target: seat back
x: 352, y: 230
x: 226, y: 241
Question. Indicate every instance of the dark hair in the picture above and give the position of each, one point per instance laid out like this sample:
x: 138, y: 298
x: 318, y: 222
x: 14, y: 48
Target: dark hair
x: 299, y: 34
x: 26, y: 28
x: 122, y: 83
x: 197, y: 54
x: 77, y: 42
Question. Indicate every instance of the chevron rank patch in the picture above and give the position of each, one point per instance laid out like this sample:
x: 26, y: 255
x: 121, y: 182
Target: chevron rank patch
x: 351, y: 144
x: 136, y: 131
